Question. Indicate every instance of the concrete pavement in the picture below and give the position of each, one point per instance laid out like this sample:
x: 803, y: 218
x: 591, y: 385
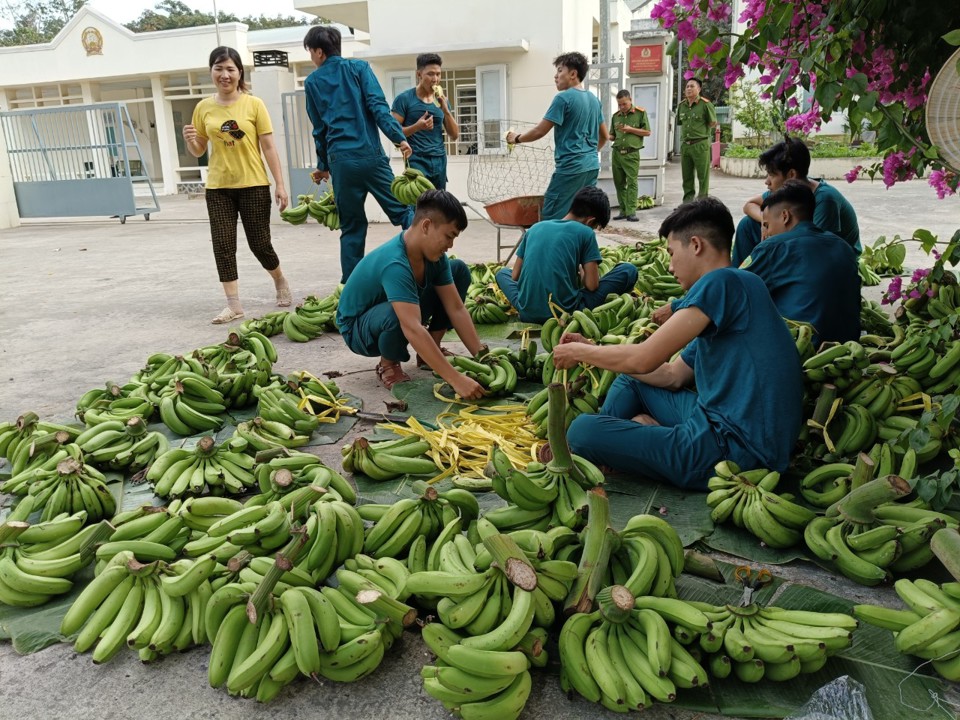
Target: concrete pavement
x: 86, y: 301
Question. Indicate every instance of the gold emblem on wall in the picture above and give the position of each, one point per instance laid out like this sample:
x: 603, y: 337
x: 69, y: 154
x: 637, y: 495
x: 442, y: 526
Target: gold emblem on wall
x: 92, y: 41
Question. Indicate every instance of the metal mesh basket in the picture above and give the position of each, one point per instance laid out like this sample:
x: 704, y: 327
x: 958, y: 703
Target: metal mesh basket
x: 498, y: 173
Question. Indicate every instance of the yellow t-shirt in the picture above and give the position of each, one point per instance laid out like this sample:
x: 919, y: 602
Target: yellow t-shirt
x: 233, y: 134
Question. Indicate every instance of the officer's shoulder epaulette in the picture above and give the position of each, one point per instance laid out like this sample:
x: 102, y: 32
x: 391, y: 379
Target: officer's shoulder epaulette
x: 641, y: 109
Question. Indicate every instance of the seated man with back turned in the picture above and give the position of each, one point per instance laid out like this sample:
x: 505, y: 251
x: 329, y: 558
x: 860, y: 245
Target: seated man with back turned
x: 790, y: 160
x: 555, y: 255
x: 747, y: 405
x: 811, y: 274
x: 408, y: 291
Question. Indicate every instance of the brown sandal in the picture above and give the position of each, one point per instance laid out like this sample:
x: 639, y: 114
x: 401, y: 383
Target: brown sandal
x: 390, y: 375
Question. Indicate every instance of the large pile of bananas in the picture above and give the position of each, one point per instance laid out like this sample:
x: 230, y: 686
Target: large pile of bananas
x: 409, y: 185
x: 485, y: 302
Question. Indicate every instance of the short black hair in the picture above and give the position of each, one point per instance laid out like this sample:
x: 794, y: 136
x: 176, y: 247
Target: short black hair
x: 705, y: 217
x: 593, y: 202
x: 697, y: 80
x: 222, y: 53
x: 623, y: 94
x: 425, y: 59
x: 796, y: 195
x: 573, y: 61
x: 323, y: 37
x: 788, y: 154
x: 440, y: 202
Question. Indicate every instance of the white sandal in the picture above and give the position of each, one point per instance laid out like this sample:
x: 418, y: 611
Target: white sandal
x: 226, y: 316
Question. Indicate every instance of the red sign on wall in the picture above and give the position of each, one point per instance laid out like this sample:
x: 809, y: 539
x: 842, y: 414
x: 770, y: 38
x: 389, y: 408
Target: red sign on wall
x: 646, y: 59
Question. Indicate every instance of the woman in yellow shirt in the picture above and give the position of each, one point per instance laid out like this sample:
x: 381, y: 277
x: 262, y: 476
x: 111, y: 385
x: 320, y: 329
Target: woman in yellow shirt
x: 235, y: 127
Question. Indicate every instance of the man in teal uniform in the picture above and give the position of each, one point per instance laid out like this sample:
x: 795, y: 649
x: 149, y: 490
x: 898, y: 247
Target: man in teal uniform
x: 579, y: 134
x: 696, y: 117
x: 409, y: 291
x: 424, y: 114
x: 790, y: 160
x: 555, y: 255
x: 628, y: 128
x: 346, y: 106
x: 747, y: 406
x: 811, y: 274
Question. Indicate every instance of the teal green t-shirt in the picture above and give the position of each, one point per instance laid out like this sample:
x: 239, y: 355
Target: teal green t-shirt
x: 746, y: 365
x: 428, y: 143
x: 385, y: 275
x: 576, y: 116
x: 552, y: 253
x: 835, y: 214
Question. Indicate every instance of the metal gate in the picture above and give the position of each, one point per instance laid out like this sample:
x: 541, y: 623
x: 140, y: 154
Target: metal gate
x: 301, y: 149
x: 76, y: 160
x: 604, y: 79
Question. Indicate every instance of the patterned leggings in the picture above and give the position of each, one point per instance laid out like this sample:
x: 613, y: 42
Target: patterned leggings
x: 253, y: 206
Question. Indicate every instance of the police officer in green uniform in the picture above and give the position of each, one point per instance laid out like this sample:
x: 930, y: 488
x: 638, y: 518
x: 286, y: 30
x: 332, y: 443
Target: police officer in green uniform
x: 696, y: 116
x: 628, y: 128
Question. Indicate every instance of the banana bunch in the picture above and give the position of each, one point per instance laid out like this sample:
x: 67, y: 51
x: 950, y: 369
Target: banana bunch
x: 648, y: 558
x: 39, y: 448
x: 262, y: 434
x: 932, y: 302
x: 207, y: 467
x: 582, y: 396
x: 755, y: 643
x: 645, y: 202
x: 254, y: 342
x: 238, y: 365
x: 802, y: 334
x: 117, y: 445
x: 410, y: 185
x: 495, y: 373
x: 101, y: 398
x: 147, y: 526
x: 288, y: 471
x: 874, y: 319
x: 153, y: 608
x: 829, y: 483
x: 620, y: 316
x: 928, y: 628
x: 624, y: 656
x: 162, y: 369
x: 278, y: 404
x: 527, y: 363
x: 944, y: 302
x: 487, y: 308
x: 918, y: 525
x: 389, y: 459
x: 67, y: 486
x: 657, y: 282
x: 306, y: 205
x: 39, y: 561
x: 396, y: 526
x: 268, y: 325
x: 311, y: 319
x: 191, y: 403
x: 868, y: 276
x: 556, y: 491
x: 386, y: 576
x: 840, y: 364
x: 475, y: 684
x: 324, y: 211
x: 747, y: 498
x: 854, y: 536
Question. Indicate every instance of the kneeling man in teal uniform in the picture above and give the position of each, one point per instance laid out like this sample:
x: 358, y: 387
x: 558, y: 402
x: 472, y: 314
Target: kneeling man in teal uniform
x: 747, y: 406
x: 409, y: 291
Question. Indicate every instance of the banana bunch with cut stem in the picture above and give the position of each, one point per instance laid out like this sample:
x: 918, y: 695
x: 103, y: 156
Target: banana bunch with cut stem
x: 852, y: 537
x: 99, y: 399
x: 67, y: 486
x: 262, y: 434
x: 624, y: 656
x: 409, y: 185
x: 648, y: 558
x: 747, y: 499
x: 268, y: 325
x: 755, y: 643
x: 317, y: 399
x: 41, y: 448
x: 206, y: 468
x: 38, y: 562
x: 257, y: 343
x: 191, y: 403
x: 312, y: 318
x: 161, y: 369
x: 280, y: 471
x: 278, y: 404
x: 929, y: 626
x: 117, y: 445
x: 389, y: 459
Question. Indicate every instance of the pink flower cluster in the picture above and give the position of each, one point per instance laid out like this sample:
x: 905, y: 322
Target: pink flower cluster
x: 853, y: 174
x: 939, y: 180
x: 897, y: 167
x: 805, y: 122
x: 883, y: 73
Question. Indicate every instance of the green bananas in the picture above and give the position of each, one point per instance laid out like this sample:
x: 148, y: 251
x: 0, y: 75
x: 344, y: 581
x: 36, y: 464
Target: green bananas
x: 65, y: 486
x: 117, y: 445
x: 207, y: 467
x: 410, y: 185
x: 389, y: 459
x: 311, y: 319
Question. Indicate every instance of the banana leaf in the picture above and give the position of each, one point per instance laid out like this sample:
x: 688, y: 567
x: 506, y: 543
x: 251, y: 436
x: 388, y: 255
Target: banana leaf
x: 499, y: 333
x: 33, y: 629
x: 729, y: 539
x: 686, y: 511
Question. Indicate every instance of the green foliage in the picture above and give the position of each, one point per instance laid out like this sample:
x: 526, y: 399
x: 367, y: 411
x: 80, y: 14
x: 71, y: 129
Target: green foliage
x: 752, y: 112
x: 823, y: 149
x: 885, y: 257
x: 36, y: 21
x: 173, y: 14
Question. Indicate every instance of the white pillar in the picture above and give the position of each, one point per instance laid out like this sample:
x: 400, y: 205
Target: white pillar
x: 166, y: 137
x: 270, y: 82
x: 9, y: 215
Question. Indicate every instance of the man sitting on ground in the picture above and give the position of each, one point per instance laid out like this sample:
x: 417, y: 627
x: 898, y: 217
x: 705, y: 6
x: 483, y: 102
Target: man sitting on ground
x: 407, y: 290
x: 811, y: 277
x: 747, y: 405
x: 790, y: 160
x: 555, y: 255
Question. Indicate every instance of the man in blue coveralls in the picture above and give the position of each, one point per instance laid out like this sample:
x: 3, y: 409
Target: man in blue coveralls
x: 556, y: 255
x: 790, y: 160
x: 408, y: 291
x: 424, y: 114
x: 346, y: 106
x: 811, y: 274
x: 749, y: 389
x: 579, y: 133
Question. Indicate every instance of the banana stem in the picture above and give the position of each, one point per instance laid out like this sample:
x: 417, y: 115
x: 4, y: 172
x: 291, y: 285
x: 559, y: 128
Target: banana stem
x: 27, y: 420
x: 597, y: 547
x: 945, y: 544
x: 206, y: 446
x: 821, y: 411
x: 11, y: 529
x: 284, y: 562
x: 702, y: 565
x: 615, y: 603
x: 562, y: 461
x: 859, y: 505
x: 512, y: 561
x: 863, y: 471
